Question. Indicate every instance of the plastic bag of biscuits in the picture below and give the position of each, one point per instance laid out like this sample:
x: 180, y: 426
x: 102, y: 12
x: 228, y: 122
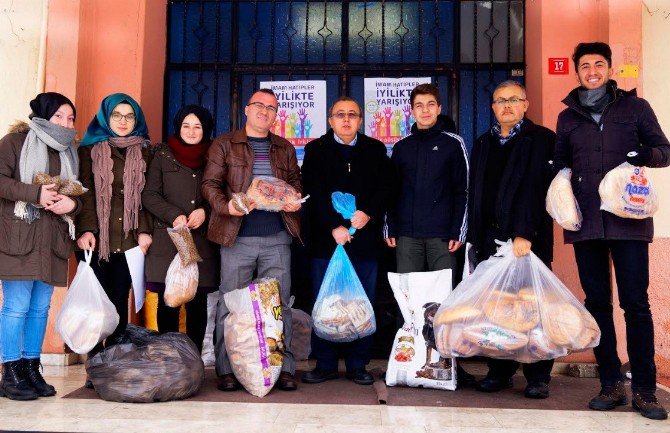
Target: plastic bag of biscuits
x: 271, y: 194
x: 181, y: 282
x: 513, y: 308
x: 254, y: 335
x: 342, y: 311
x: 561, y: 203
x: 627, y: 192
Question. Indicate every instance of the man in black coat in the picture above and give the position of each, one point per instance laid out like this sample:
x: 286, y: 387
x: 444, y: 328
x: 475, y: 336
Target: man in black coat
x: 510, y: 172
x: 345, y: 160
x: 601, y: 125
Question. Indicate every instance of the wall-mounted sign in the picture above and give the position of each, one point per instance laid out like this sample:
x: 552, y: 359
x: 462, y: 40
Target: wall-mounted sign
x: 559, y: 66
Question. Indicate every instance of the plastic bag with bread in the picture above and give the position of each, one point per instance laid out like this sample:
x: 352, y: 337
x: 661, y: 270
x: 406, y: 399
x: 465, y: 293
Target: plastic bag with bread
x: 627, y: 192
x: 513, y: 308
x: 561, y: 203
x: 254, y: 335
x: 270, y: 193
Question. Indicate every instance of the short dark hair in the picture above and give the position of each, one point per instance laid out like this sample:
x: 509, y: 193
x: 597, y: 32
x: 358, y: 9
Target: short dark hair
x: 424, y: 89
x: 345, y: 99
x: 584, y: 48
x: 266, y: 91
x: 510, y: 83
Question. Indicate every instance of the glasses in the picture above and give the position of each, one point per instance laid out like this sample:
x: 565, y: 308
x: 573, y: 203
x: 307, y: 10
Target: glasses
x: 341, y: 115
x: 260, y: 106
x: 130, y: 117
x: 501, y: 102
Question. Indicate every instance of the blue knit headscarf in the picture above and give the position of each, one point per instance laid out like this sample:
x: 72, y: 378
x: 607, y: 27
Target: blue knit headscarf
x: 98, y: 130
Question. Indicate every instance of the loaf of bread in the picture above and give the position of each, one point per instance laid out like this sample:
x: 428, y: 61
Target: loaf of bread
x: 561, y: 203
x: 627, y: 192
x: 516, y: 315
x: 271, y: 194
x: 458, y: 314
x: 562, y: 322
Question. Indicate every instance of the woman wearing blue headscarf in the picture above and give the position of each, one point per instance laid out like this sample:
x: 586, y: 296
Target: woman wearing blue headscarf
x: 113, y: 160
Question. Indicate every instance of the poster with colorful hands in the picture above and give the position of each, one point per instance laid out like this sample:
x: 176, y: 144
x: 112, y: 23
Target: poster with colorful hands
x: 388, y: 115
x: 301, y: 115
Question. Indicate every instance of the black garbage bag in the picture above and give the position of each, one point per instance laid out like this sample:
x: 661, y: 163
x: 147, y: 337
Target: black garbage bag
x: 146, y: 366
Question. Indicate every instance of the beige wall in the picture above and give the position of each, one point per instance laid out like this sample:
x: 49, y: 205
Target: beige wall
x: 22, y: 37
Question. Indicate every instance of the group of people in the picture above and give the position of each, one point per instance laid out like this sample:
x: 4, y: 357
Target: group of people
x: 425, y: 201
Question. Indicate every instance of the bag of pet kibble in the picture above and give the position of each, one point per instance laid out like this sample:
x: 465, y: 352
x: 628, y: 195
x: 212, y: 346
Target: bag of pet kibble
x: 414, y: 359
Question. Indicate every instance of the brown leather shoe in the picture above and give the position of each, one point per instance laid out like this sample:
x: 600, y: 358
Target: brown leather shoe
x: 648, y: 406
x: 610, y: 396
x: 286, y: 382
x: 228, y: 382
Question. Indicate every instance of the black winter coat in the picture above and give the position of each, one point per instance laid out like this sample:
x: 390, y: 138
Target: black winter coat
x: 368, y: 176
x: 432, y: 192
x: 592, y: 150
x: 520, y: 203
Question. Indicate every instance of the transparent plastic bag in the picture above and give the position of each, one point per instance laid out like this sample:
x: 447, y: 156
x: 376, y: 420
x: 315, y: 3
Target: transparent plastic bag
x: 241, y: 202
x: 68, y: 187
x: 254, y: 335
x: 271, y: 194
x: 342, y: 311
x: 183, y: 239
x: 345, y: 204
x: 181, y: 282
x: 87, y: 316
x: 513, y: 308
x: 414, y: 359
x: 146, y: 367
x: 627, y: 192
x: 561, y: 203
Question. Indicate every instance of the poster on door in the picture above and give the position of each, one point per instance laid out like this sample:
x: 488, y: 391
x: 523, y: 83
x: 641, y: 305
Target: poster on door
x: 388, y: 114
x: 301, y: 115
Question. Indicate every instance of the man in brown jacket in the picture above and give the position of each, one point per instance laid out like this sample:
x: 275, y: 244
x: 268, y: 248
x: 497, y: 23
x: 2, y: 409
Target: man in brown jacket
x: 259, y: 241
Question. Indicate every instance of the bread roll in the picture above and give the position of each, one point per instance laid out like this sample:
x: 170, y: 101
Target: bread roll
x: 561, y: 203
x: 457, y: 314
x: 589, y: 336
x: 541, y: 347
x: 562, y: 322
x: 516, y: 315
x: 527, y: 294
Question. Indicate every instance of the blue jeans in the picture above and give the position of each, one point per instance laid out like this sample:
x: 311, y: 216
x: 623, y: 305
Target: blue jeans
x: 24, y: 318
x: 357, y: 351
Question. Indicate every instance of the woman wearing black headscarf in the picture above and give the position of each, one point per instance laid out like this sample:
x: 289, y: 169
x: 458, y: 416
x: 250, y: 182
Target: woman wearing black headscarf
x: 35, y: 237
x: 172, y: 195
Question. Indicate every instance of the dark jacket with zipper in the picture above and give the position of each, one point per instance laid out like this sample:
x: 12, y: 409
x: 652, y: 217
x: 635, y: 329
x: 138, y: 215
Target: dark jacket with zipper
x: 432, y: 186
x: 173, y: 189
x: 519, y: 208
x: 230, y: 163
x: 87, y: 220
x: 368, y: 175
x: 40, y: 250
x: 592, y: 149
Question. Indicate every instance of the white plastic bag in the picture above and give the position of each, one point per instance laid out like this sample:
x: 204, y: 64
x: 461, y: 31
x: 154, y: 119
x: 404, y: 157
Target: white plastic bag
x: 513, y: 308
x: 561, y: 203
x: 87, y: 316
x: 626, y: 191
x: 181, y: 282
x: 254, y: 335
x: 414, y: 359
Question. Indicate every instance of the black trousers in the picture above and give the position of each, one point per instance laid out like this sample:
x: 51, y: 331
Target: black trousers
x: 631, y: 265
x: 196, y: 318
x: 115, y: 279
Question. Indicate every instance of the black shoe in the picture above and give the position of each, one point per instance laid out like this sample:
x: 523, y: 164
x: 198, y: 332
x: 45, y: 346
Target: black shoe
x: 286, y: 382
x: 464, y: 379
x: 610, y: 397
x: 88, y: 384
x: 228, y: 382
x: 14, y: 384
x: 31, y: 368
x: 360, y: 376
x: 648, y: 405
x: 493, y: 384
x: 317, y: 375
x: 538, y: 390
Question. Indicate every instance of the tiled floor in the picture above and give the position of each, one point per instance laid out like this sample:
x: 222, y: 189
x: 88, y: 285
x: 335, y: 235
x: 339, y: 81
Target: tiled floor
x: 58, y: 414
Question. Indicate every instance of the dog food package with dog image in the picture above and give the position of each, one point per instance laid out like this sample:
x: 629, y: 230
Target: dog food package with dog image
x: 513, y: 308
x: 627, y: 192
x: 561, y: 203
x: 254, y: 335
x: 414, y: 359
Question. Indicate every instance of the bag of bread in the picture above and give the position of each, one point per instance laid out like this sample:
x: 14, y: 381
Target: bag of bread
x: 271, y: 194
x: 342, y: 311
x: 87, y: 316
x: 254, y: 335
x: 181, y: 282
x: 513, y: 308
x: 627, y: 192
x: 561, y: 203
x: 414, y: 359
